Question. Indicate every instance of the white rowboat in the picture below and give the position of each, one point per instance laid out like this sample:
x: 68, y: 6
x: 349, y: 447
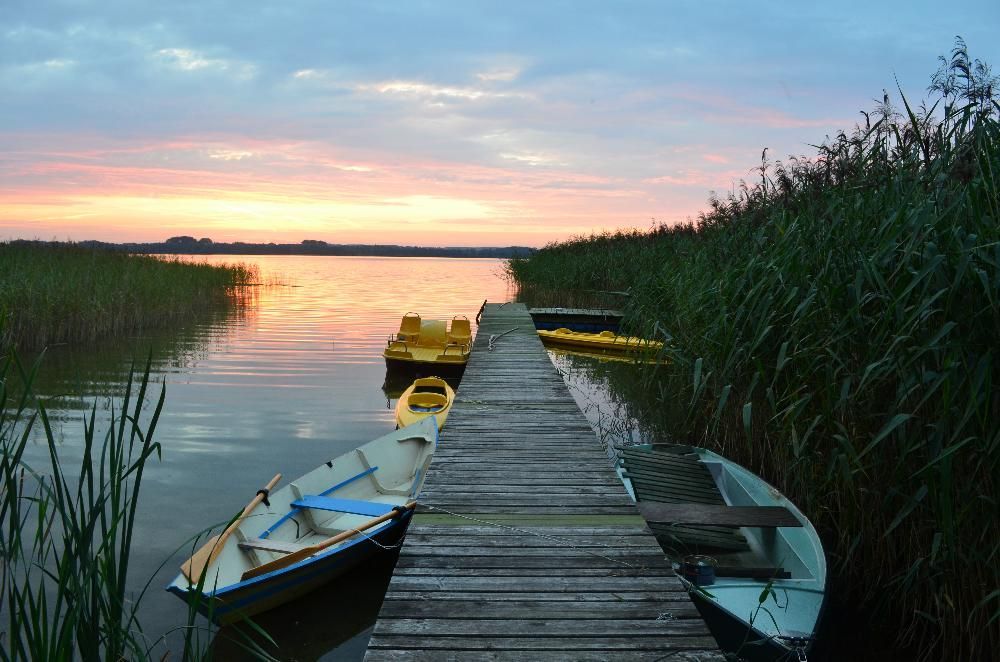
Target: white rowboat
x: 783, y: 550
x: 311, y: 530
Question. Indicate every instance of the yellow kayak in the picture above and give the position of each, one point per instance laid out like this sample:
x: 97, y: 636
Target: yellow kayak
x: 422, y: 343
x: 428, y: 396
x: 604, y: 341
x: 605, y: 356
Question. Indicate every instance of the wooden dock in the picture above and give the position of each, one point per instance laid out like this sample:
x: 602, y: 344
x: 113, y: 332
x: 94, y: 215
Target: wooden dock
x: 526, y: 545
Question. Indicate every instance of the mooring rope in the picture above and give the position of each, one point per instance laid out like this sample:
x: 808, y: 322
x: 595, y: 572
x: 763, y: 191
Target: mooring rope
x: 378, y: 544
x: 495, y: 338
x: 557, y: 539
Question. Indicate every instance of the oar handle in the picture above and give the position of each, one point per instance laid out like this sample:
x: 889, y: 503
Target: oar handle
x: 305, y: 552
x: 195, y: 566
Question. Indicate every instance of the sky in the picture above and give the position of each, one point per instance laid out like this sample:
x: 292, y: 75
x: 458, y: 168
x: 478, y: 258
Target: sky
x: 428, y: 123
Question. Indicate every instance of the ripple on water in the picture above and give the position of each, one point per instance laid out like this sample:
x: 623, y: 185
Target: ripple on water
x: 287, y: 382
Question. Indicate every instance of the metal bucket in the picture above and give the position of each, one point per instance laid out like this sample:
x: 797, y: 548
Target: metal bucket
x: 698, y: 569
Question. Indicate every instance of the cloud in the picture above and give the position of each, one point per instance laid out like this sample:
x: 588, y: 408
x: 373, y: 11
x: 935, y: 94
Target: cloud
x: 492, y: 115
x: 230, y: 155
x: 435, y: 94
x: 505, y: 75
x: 185, y: 59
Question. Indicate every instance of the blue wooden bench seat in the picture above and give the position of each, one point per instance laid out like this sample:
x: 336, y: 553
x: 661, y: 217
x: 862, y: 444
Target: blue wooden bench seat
x: 370, y: 508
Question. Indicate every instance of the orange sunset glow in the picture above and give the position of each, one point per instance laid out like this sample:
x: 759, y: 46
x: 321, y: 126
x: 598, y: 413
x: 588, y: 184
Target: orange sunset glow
x: 277, y: 192
x: 444, y: 125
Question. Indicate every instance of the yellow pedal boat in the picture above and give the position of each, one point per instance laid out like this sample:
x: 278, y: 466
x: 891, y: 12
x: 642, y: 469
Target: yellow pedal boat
x: 421, y: 343
x: 427, y: 396
x: 606, y: 341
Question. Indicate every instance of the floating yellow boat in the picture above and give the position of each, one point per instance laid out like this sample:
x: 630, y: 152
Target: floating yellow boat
x: 606, y: 341
x: 602, y: 356
x: 427, y: 396
x: 421, y: 343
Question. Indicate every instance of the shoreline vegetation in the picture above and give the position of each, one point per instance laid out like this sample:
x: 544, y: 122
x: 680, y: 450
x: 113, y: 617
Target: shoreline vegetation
x: 66, y: 532
x: 54, y: 293
x: 832, y: 326
x: 185, y: 245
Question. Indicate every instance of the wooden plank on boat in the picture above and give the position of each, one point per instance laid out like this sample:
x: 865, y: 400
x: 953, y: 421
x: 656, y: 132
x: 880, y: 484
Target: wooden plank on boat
x: 696, y: 513
x: 693, y: 537
x: 269, y: 545
x: 526, y: 545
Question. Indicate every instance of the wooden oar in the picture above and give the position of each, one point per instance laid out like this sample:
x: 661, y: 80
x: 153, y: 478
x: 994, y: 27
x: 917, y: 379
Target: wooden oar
x: 305, y: 552
x: 195, y: 566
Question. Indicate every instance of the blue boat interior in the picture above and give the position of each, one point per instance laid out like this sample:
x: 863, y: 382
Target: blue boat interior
x: 298, y: 509
x: 370, y: 508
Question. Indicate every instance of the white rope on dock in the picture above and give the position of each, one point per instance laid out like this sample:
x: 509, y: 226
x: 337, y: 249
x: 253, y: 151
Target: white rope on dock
x: 495, y: 338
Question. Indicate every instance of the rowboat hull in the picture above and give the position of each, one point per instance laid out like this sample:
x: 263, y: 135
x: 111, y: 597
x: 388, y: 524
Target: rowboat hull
x: 734, y: 633
x: 261, y: 594
x: 291, y: 543
x: 785, y: 622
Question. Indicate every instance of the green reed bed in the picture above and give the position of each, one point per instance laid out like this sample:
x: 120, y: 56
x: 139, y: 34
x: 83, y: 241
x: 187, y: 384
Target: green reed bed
x: 66, y: 535
x: 64, y: 293
x: 66, y: 532
x: 834, y: 327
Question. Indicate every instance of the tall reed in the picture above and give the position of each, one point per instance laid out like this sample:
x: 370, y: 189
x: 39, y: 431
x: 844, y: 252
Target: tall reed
x: 66, y: 293
x: 833, y: 327
x: 65, y: 539
x: 66, y: 534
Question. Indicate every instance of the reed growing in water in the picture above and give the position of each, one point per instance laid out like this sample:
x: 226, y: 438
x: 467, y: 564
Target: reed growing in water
x: 65, y: 293
x: 833, y: 327
x: 66, y: 533
x: 65, y: 539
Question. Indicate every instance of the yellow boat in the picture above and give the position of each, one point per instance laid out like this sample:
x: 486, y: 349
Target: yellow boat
x: 605, y: 356
x: 427, y: 396
x: 606, y: 341
x: 421, y: 343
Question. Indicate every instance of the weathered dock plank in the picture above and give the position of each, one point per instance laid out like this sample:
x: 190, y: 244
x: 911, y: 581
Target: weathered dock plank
x: 525, y: 545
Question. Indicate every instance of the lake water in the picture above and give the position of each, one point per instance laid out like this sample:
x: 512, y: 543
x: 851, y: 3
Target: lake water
x: 290, y: 379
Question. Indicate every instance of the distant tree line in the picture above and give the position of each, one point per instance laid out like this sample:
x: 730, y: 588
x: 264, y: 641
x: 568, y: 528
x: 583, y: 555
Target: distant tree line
x: 204, y: 246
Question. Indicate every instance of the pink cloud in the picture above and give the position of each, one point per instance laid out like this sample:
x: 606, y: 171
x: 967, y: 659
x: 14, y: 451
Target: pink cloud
x: 284, y: 191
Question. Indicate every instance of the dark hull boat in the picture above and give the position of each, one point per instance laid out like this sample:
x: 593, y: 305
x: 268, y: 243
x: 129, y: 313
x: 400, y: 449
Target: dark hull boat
x: 766, y: 562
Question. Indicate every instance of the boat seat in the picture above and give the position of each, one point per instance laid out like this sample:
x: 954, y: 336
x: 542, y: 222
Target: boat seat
x: 409, y: 328
x: 460, y: 332
x: 370, y: 508
x: 427, y: 402
x: 453, y: 350
x: 266, y: 544
x: 718, y: 515
x: 249, y: 551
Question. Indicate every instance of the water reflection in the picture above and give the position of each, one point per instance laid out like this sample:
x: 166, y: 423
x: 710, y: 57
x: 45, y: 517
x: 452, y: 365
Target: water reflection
x: 289, y: 377
x: 71, y: 377
x: 338, y: 615
x: 594, y: 382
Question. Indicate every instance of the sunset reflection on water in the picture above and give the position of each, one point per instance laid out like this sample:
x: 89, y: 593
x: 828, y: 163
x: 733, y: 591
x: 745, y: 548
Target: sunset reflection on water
x: 290, y: 377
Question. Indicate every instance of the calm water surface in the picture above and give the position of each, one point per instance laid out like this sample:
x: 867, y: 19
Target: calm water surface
x: 292, y: 378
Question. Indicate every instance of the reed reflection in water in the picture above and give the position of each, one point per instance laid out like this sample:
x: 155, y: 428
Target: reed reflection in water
x: 286, y: 379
